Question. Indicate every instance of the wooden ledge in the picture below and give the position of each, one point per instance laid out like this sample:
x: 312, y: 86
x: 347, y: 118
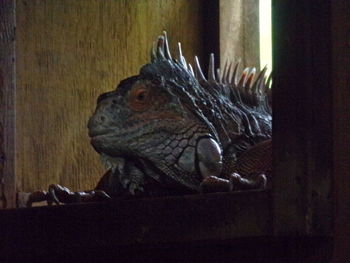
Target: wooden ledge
x: 219, y: 216
x: 220, y: 227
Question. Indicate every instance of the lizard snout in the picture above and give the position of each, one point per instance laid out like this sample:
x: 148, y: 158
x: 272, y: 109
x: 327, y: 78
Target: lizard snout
x: 96, y: 124
x: 102, y: 121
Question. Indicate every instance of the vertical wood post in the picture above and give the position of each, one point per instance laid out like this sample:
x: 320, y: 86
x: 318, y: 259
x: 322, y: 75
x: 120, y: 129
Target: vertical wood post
x: 302, y: 117
x: 7, y: 101
x: 341, y: 126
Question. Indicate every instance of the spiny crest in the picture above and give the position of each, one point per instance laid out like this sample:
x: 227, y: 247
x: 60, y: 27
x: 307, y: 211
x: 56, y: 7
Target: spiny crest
x: 252, y: 90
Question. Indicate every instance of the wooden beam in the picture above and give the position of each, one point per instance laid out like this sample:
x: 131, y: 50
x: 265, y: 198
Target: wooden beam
x: 149, y: 221
x: 7, y: 107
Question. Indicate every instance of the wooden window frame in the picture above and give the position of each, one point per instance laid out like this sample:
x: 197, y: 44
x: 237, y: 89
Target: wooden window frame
x: 7, y: 107
x: 309, y: 157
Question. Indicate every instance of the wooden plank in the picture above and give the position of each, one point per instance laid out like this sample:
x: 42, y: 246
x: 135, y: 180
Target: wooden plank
x: 136, y: 222
x: 239, y: 32
x: 68, y: 53
x: 266, y: 249
x: 219, y: 227
x: 302, y: 118
x: 7, y: 104
x: 341, y: 126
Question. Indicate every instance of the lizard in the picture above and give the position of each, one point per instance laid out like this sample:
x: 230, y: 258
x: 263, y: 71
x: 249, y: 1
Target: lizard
x: 170, y: 130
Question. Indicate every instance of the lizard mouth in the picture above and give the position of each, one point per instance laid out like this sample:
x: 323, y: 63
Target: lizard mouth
x: 96, y: 140
x: 95, y: 133
x: 99, y: 131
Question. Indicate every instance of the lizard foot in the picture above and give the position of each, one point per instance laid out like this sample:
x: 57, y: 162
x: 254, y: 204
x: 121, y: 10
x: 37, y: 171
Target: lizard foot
x: 59, y: 194
x: 235, y: 182
x: 213, y: 184
x: 36, y: 197
x: 240, y: 183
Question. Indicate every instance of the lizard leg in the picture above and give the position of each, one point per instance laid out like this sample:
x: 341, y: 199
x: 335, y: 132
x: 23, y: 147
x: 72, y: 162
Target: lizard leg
x: 252, y: 169
x: 247, y: 172
x: 126, y: 177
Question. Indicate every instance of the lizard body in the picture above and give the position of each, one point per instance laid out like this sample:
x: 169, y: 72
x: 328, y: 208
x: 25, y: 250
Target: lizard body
x: 174, y: 127
x: 170, y: 130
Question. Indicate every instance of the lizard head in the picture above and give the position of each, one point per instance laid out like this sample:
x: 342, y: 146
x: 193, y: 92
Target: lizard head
x: 137, y: 116
x: 154, y: 117
x: 172, y: 119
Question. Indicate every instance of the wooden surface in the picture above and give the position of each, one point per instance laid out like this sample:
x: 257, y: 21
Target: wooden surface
x: 7, y: 99
x: 239, y: 32
x: 68, y: 52
x: 219, y: 227
x: 150, y: 221
x: 136, y: 222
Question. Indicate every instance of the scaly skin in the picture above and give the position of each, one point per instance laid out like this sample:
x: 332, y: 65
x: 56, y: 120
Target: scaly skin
x: 177, y: 127
x: 169, y: 130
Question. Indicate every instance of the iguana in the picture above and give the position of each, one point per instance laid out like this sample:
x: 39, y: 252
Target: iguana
x: 171, y: 130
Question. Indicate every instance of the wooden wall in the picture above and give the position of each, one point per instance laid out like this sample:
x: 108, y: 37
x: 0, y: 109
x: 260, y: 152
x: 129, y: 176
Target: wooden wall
x: 7, y: 98
x: 68, y: 52
x: 239, y: 32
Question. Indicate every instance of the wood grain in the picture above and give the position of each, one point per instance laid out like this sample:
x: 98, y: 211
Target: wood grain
x: 239, y: 32
x: 68, y: 52
x: 113, y: 225
x: 7, y: 100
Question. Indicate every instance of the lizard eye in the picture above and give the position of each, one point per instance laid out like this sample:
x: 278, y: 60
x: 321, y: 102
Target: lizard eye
x: 139, y: 98
x: 141, y: 95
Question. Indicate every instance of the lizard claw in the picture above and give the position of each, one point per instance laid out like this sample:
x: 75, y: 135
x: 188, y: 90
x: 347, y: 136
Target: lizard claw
x: 52, y: 197
x: 59, y: 194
